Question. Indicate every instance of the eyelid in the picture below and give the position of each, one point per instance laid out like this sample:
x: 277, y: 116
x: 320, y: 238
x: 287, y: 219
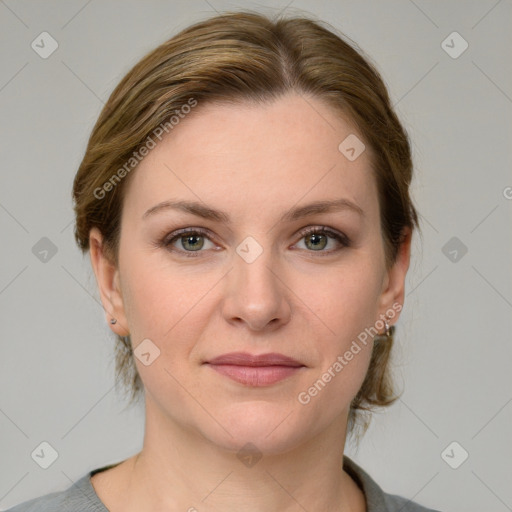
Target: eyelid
x: 185, y: 231
x: 322, y: 229
x: 340, y: 237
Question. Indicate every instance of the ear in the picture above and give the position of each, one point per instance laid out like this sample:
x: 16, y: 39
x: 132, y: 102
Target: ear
x: 107, y: 278
x: 393, y: 291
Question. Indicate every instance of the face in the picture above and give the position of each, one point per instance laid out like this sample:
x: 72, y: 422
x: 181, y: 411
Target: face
x: 248, y: 265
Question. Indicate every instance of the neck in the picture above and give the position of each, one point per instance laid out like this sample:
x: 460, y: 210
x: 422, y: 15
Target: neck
x: 179, y: 469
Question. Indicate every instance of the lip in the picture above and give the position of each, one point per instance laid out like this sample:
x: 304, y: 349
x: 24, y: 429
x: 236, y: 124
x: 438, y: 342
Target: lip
x: 255, y: 370
x: 246, y: 359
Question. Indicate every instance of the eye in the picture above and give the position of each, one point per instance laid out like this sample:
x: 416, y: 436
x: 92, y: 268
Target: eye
x: 188, y: 240
x: 317, y: 239
x: 191, y: 241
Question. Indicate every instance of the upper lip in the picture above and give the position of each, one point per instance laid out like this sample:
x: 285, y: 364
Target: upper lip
x: 246, y: 359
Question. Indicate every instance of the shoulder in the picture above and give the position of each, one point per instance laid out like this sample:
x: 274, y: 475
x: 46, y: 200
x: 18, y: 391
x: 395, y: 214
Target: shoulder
x: 80, y: 497
x: 376, y: 499
x: 398, y: 503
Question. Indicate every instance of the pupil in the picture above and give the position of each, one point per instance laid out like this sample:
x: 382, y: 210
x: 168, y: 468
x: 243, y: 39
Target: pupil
x: 190, y: 241
x: 316, y: 239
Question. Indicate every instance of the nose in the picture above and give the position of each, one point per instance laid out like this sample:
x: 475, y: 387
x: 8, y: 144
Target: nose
x: 256, y: 295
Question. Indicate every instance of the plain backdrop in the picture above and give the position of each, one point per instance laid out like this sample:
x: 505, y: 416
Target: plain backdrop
x: 453, y: 350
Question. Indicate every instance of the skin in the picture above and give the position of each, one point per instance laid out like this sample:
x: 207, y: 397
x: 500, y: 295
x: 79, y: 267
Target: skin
x: 254, y: 162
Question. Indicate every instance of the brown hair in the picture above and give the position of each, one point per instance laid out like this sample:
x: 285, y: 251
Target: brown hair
x: 245, y: 56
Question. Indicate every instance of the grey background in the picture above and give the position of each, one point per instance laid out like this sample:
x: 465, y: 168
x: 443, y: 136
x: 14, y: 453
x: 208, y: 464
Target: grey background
x: 454, y: 346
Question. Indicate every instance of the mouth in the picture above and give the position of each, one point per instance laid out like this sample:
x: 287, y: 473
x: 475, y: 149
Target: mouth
x: 255, y: 371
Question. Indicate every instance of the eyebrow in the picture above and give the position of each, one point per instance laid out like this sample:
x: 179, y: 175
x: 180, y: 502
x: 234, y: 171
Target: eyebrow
x: 201, y: 210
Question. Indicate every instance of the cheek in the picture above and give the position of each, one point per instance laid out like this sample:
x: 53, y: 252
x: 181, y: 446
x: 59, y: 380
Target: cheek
x: 334, y: 387
x: 168, y: 305
x: 170, y: 308
x: 349, y: 310
x: 156, y: 295
x: 347, y: 306
x: 345, y: 301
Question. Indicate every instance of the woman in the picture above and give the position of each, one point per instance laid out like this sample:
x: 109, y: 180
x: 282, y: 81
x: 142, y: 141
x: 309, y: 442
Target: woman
x: 245, y: 200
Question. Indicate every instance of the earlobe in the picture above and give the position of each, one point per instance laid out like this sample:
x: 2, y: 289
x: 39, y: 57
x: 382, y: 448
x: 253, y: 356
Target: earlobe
x: 107, y: 279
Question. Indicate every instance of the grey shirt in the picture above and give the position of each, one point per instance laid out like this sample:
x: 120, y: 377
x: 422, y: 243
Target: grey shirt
x: 81, y: 496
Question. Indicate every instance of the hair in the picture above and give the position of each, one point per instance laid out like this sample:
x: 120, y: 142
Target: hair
x: 246, y: 57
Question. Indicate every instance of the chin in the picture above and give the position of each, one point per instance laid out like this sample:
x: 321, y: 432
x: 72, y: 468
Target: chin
x: 270, y: 427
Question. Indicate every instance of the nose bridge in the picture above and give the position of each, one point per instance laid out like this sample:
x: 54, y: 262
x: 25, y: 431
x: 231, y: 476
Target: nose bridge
x: 252, y: 268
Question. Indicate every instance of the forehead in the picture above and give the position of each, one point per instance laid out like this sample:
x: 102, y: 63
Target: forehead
x: 250, y: 158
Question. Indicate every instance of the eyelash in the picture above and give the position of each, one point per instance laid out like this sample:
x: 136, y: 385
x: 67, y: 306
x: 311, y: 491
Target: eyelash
x: 168, y: 240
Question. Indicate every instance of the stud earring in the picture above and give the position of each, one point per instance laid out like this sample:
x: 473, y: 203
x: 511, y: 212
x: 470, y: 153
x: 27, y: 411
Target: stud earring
x: 113, y: 321
x: 387, y: 335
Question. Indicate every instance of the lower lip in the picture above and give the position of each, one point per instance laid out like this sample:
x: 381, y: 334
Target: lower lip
x: 256, y: 376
